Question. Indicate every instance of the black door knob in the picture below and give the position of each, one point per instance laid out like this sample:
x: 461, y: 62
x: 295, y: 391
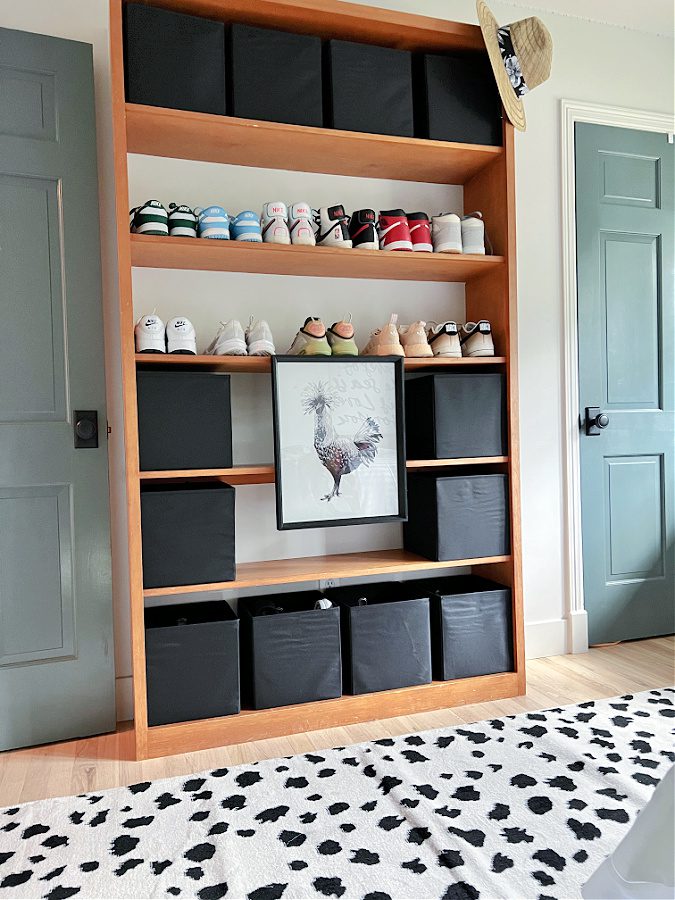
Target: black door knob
x: 86, y: 428
x: 602, y: 420
x: 595, y: 420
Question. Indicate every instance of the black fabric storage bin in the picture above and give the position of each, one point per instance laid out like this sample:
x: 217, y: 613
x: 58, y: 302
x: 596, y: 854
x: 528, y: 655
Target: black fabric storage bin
x: 174, y: 60
x: 471, y: 626
x: 457, y: 516
x: 455, y: 415
x: 184, y: 420
x: 292, y: 656
x: 275, y: 76
x: 192, y: 662
x: 385, y: 644
x: 368, y: 88
x: 456, y: 99
x: 188, y: 534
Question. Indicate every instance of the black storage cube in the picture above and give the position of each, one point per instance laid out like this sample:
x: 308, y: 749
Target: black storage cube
x: 192, y: 662
x: 457, y: 516
x: 455, y: 415
x: 456, y: 99
x: 184, y: 420
x: 291, y: 656
x: 174, y: 60
x: 368, y: 88
x: 275, y: 76
x: 386, y: 643
x: 188, y: 534
x: 471, y: 626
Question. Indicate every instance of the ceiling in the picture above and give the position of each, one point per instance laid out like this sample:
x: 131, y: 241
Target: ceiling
x: 652, y: 16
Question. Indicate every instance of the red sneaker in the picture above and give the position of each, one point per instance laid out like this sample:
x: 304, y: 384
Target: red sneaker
x: 393, y: 230
x: 420, y: 232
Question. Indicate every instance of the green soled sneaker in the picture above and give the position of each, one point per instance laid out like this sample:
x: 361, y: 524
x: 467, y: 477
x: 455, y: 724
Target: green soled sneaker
x: 182, y: 221
x: 150, y: 218
x: 311, y: 340
x: 341, y: 338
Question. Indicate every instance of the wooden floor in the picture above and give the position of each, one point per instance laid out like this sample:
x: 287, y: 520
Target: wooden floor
x: 96, y: 763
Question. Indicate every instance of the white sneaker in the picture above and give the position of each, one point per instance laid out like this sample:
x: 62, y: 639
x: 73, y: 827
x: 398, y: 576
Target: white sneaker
x: 300, y: 225
x: 330, y: 227
x: 274, y: 223
x: 180, y: 336
x: 229, y: 340
x: 473, y: 233
x: 259, y: 338
x: 476, y: 339
x: 444, y: 339
x: 446, y: 233
x: 150, y: 334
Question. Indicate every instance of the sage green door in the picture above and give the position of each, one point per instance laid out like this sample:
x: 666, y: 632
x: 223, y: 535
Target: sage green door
x: 56, y: 649
x: 626, y: 301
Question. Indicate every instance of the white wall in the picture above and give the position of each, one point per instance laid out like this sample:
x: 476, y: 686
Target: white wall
x: 592, y: 62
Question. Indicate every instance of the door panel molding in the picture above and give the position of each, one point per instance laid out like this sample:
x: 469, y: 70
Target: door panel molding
x: 571, y: 112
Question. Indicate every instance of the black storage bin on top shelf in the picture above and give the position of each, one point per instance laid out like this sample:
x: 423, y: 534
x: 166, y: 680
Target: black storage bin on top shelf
x: 456, y: 99
x: 187, y: 534
x: 455, y: 415
x: 459, y: 516
x: 174, y: 60
x: 291, y: 656
x: 368, y: 88
x: 385, y: 643
x: 184, y: 420
x: 471, y: 626
x: 192, y: 662
x: 275, y: 76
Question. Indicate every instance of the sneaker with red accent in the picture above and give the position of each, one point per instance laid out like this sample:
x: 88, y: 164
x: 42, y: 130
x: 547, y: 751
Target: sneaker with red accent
x: 363, y: 230
x: 274, y: 223
x: 330, y: 227
x: 420, y: 232
x: 393, y: 230
x: 300, y: 225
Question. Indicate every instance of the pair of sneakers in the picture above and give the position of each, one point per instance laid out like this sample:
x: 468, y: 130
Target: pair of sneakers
x: 398, y: 340
x: 281, y: 225
x: 314, y: 339
x: 232, y: 340
x: 398, y: 230
x: 153, y: 218
x: 215, y: 223
x: 450, y: 340
x: 177, y: 336
x: 451, y: 233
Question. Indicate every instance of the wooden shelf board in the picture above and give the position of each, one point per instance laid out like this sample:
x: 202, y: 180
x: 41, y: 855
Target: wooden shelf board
x: 316, y: 568
x: 264, y: 474
x: 262, y: 364
x: 148, y: 251
x: 179, y: 134
x: 347, y: 21
x: 251, y: 725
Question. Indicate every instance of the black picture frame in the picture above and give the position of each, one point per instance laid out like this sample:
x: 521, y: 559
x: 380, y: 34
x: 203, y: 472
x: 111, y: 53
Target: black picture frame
x: 395, y: 363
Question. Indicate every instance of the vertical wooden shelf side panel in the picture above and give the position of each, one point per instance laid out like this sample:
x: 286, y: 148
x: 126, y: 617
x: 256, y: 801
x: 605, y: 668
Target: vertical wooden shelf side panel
x: 495, y: 297
x: 128, y: 381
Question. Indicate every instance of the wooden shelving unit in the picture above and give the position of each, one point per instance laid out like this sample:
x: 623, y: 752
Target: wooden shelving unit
x: 487, y: 176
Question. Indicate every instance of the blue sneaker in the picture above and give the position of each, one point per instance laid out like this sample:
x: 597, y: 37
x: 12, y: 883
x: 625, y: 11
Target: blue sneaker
x: 246, y: 227
x: 213, y: 222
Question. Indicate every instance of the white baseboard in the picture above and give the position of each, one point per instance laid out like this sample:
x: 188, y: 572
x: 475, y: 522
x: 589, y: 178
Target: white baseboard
x: 547, y: 638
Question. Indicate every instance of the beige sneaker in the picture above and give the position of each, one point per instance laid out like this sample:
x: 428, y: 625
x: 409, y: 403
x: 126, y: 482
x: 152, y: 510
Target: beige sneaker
x: 443, y: 339
x: 385, y: 341
x: 414, y: 339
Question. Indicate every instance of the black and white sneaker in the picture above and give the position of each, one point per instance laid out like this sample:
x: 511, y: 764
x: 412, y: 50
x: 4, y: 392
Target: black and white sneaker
x: 363, y: 230
x: 444, y: 339
x: 476, y: 339
x: 330, y: 227
x: 182, y: 221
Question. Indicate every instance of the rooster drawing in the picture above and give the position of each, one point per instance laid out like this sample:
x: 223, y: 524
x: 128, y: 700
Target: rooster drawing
x: 340, y: 455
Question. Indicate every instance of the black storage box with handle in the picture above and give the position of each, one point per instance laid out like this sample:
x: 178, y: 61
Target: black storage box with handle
x: 192, y: 661
x: 292, y: 656
x: 184, y: 420
x: 471, y: 626
x: 456, y: 99
x: 174, y: 60
x: 458, y: 516
x: 275, y: 76
x: 368, y: 88
x: 455, y: 415
x: 386, y: 642
x: 187, y: 534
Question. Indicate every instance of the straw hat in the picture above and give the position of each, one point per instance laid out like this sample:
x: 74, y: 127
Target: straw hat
x: 520, y: 55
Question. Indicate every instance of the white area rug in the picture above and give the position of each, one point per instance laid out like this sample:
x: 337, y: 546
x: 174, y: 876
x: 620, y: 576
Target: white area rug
x: 524, y: 806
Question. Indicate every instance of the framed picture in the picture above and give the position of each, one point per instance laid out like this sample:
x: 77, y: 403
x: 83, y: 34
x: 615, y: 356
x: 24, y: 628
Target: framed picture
x: 339, y: 440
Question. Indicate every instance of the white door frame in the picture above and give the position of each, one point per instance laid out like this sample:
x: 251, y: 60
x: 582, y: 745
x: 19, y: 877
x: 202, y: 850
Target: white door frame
x: 571, y: 112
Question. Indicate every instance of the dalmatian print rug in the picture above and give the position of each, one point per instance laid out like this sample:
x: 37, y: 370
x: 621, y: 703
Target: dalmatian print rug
x: 525, y: 806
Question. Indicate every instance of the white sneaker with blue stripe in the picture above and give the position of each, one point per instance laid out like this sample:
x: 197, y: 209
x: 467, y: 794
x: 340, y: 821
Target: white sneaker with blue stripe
x: 246, y: 227
x: 213, y: 222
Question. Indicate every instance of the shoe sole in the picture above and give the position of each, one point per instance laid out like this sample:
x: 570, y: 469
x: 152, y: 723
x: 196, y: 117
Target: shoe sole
x: 398, y: 245
x: 368, y: 245
x: 162, y: 230
x: 215, y: 234
x: 448, y: 248
x: 479, y: 251
x: 480, y: 353
x: 344, y: 347
x: 150, y: 345
x: 423, y: 248
x: 183, y: 352
x: 181, y: 231
x: 249, y: 239
x: 450, y: 355
x: 417, y: 351
x: 284, y: 241
x: 182, y: 347
x: 150, y: 350
x: 315, y: 347
x: 386, y: 350
x: 230, y: 347
x: 261, y: 348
